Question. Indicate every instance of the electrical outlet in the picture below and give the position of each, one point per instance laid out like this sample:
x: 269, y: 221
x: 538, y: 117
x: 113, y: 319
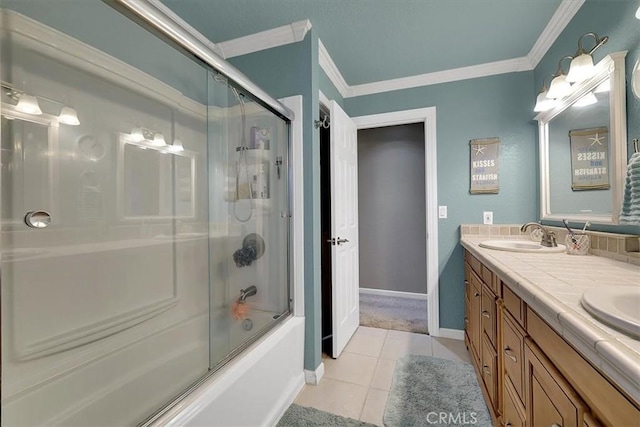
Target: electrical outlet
x: 487, y: 217
x: 442, y: 211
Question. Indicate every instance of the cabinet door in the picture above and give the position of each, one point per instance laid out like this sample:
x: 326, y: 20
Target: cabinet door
x: 489, y: 371
x: 512, y: 351
x: 550, y: 401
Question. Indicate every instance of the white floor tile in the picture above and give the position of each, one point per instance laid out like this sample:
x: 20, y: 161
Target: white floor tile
x: 369, y: 345
x: 336, y: 397
x: 351, y: 367
x: 366, y: 330
x: 450, y: 349
x: 383, y: 375
x: 398, y: 346
x: 374, y: 406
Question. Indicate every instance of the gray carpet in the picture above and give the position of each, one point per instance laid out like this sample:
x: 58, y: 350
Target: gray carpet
x: 429, y: 391
x: 302, y: 416
x: 395, y: 313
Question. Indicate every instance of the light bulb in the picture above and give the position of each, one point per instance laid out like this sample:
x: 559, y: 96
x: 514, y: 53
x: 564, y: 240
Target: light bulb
x: 158, y: 140
x: 559, y: 87
x: 28, y: 104
x: 136, y: 135
x: 69, y: 116
x: 581, y: 68
x: 176, y: 147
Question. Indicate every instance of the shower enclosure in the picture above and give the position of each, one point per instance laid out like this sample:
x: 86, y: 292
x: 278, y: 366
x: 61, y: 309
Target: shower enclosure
x: 144, y: 217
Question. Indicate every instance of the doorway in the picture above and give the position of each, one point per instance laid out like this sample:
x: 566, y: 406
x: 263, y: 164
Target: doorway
x: 392, y: 212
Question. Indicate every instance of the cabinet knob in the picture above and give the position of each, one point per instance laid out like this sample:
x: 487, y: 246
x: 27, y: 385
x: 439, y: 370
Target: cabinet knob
x: 486, y: 370
x: 555, y: 425
x: 477, y: 294
x: 486, y: 314
x: 509, y: 354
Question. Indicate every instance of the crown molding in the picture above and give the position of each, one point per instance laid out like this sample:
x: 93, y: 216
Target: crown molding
x: 195, y: 33
x: 332, y: 71
x: 455, y: 74
x: 558, y: 22
x: 267, y: 39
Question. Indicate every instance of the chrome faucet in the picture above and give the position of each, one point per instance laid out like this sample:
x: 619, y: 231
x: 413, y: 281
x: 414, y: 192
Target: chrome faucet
x: 244, y: 293
x: 548, y: 236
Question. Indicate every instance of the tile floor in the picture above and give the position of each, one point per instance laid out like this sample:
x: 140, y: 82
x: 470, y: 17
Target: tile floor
x: 357, y: 384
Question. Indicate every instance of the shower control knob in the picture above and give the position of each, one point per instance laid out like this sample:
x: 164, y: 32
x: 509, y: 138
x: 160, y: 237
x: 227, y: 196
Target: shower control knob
x: 37, y: 219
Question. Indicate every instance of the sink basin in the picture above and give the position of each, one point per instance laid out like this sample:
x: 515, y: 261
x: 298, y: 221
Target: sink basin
x: 617, y: 306
x: 520, y: 246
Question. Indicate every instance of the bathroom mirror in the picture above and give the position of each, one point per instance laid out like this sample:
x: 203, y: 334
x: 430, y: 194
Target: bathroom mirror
x: 154, y: 182
x: 582, y: 148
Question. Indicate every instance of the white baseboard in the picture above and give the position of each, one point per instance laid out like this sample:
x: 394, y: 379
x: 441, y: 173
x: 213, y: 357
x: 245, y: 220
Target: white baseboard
x: 400, y: 294
x: 454, y: 334
x: 314, y: 377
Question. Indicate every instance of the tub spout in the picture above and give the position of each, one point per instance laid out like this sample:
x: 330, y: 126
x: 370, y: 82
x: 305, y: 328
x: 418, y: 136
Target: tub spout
x: 244, y: 293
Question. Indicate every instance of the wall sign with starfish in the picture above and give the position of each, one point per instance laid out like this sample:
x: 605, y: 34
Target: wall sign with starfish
x: 485, y: 162
x: 589, y: 159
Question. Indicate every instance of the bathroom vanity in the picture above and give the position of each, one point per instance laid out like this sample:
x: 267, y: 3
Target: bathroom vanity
x: 541, y: 359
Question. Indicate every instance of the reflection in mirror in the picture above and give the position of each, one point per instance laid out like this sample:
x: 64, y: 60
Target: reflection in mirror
x: 579, y: 181
x: 583, y: 152
x: 155, y: 183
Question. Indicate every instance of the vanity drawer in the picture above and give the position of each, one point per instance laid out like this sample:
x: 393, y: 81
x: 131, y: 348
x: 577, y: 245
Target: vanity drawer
x: 488, y: 314
x: 512, y: 351
x: 475, y: 264
x: 514, y: 304
x: 489, y: 370
x: 513, y: 410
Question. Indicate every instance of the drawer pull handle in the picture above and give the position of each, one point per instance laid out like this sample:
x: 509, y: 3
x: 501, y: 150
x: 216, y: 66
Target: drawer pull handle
x: 486, y: 314
x: 466, y: 320
x: 477, y: 294
x: 555, y: 425
x: 486, y: 370
x: 509, y: 354
x: 466, y: 282
x: 508, y: 425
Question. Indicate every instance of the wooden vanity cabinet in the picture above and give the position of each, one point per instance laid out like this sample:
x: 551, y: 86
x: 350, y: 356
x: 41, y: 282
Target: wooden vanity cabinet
x: 550, y: 400
x: 530, y: 376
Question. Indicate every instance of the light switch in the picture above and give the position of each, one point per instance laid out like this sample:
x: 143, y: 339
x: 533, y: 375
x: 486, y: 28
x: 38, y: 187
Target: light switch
x: 487, y: 217
x: 442, y: 211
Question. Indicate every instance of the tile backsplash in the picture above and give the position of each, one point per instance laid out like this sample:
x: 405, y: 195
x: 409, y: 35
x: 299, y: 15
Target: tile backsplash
x: 620, y: 247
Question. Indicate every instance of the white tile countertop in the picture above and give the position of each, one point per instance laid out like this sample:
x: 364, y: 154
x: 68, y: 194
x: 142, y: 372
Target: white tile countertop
x: 552, y: 285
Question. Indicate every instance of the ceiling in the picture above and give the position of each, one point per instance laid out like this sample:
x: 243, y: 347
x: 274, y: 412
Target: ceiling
x: 378, y: 40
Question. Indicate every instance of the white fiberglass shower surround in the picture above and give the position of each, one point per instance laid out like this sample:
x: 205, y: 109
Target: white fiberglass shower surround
x: 145, y: 224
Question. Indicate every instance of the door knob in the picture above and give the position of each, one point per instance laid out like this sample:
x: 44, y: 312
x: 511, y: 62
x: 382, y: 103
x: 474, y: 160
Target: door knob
x: 342, y: 240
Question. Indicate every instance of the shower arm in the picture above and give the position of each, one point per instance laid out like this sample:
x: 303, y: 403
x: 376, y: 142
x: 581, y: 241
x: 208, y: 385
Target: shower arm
x: 160, y: 18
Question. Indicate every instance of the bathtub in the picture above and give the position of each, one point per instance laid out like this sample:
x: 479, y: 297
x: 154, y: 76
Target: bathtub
x: 253, y: 389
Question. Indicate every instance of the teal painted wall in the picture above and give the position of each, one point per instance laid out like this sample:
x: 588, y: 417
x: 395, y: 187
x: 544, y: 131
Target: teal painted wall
x: 615, y: 19
x: 329, y: 90
x: 285, y: 71
x: 496, y: 106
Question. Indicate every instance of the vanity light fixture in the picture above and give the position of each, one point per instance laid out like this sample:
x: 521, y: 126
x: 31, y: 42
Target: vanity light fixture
x: 582, y: 67
x: 638, y: 13
x: 176, y: 147
x: 559, y: 87
x: 542, y: 102
x: 588, y: 99
x: 69, y: 116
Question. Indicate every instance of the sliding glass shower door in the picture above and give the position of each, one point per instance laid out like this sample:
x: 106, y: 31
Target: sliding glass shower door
x: 143, y: 220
